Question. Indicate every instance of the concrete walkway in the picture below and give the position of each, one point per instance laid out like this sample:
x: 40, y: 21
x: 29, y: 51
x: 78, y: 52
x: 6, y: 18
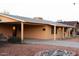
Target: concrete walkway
x: 52, y: 42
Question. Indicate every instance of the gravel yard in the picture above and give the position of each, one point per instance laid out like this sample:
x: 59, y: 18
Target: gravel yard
x: 29, y: 50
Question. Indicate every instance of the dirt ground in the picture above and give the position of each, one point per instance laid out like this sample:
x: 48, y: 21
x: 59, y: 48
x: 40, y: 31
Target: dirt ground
x: 29, y: 50
x: 8, y: 49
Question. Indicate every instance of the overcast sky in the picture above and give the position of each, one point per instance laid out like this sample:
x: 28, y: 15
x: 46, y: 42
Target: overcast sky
x: 48, y: 9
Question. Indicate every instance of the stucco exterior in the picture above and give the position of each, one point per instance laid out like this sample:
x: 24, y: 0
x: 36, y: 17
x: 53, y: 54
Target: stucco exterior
x: 6, y: 30
x: 41, y: 31
x: 36, y: 32
x: 32, y: 31
x: 5, y: 27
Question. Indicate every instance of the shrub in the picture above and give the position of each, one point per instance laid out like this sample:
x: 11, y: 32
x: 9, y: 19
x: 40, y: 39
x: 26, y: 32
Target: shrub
x: 14, y: 40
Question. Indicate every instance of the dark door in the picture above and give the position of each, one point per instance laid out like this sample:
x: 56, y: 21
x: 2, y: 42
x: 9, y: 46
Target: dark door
x: 14, y: 30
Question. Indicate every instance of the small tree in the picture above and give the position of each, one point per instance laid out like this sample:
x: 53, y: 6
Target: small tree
x: 4, y: 12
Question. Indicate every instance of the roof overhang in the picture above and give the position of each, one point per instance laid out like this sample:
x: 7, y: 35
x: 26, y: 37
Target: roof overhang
x: 39, y: 22
x: 11, y: 17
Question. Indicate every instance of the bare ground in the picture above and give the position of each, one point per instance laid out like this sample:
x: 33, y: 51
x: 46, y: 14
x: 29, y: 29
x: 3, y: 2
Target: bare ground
x: 29, y: 50
x: 8, y: 49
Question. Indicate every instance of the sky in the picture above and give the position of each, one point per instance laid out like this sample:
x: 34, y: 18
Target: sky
x: 51, y: 10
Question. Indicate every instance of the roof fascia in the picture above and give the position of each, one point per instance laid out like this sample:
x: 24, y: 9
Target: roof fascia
x: 12, y: 17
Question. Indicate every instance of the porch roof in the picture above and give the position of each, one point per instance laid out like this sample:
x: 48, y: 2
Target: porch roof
x: 31, y: 20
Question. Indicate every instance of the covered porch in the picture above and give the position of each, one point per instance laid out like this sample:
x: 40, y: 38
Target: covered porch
x: 25, y: 30
x: 61, y: 32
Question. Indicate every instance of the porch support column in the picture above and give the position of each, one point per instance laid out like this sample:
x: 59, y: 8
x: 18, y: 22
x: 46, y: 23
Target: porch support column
x: 54, y: 32
x: 69, y: 32
x: 63, y: 33
x: 74, y: 32
x: 22, y: 31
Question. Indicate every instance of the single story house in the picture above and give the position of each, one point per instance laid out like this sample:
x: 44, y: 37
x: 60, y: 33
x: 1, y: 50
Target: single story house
x: 72, y: 23
x: 33, y: 28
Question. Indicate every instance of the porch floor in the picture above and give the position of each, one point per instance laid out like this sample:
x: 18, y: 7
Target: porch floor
x: 65, y: 43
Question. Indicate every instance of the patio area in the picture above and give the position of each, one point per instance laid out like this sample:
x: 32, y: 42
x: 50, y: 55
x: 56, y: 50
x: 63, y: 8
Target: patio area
x: 31, y: 47
x: 74, y: 42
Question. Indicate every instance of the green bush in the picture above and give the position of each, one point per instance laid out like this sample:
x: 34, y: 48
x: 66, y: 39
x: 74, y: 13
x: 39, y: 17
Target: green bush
x: 14, y: 40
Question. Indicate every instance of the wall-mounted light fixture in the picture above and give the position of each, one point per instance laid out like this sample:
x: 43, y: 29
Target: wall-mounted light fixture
x: 14, y: 28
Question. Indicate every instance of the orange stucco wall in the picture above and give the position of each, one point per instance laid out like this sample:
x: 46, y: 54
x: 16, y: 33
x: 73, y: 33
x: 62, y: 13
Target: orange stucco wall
x: 36, y: 32
x: 59, y: 33
x: 67, y: 33
x: 31, y: 31
x: 6, y: 30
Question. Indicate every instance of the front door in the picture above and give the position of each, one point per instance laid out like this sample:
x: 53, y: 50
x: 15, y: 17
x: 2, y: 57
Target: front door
x: 14, y: 30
